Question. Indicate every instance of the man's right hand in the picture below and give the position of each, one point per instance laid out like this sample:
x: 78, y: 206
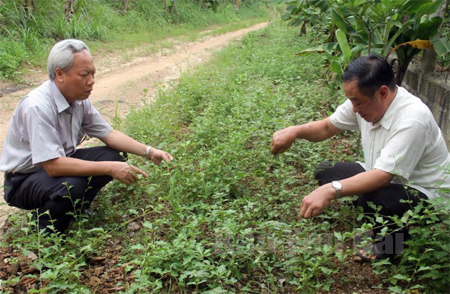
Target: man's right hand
x: 126, y: 173
x: 282, y: 140
x: 157, y: 156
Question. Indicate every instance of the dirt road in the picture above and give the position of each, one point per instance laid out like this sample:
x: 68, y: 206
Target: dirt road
x: 120, y: 86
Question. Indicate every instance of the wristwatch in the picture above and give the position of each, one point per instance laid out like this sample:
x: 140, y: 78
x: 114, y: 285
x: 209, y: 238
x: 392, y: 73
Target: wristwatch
x: 338, y: 187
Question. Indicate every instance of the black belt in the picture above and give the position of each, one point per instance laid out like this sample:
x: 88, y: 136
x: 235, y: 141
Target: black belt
x: 9, y: 176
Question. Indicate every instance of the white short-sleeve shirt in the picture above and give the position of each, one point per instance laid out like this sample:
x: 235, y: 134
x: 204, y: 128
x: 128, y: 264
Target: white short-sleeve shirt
x: 406, y: 142
x: 44, y: 127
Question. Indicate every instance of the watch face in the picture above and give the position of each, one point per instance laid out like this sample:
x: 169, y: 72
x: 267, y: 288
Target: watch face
x: 337, y: 185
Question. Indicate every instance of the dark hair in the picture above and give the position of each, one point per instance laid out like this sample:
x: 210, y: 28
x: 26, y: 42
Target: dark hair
x: 371, y: 72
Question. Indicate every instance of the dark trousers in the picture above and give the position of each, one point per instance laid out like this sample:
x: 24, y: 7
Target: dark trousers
x: 389, y: 198
x: 55, y: 197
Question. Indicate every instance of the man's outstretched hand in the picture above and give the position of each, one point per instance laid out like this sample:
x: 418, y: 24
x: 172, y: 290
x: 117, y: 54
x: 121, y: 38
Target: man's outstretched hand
x: 282, y: 140
x: 157, y: 156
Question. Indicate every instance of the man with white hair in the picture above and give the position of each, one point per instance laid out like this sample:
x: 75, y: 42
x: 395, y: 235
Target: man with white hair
x: 43, y: 168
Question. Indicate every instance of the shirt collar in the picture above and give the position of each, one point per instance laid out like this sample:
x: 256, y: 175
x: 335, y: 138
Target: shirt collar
x: 388, y: 117
x: 60, y: 100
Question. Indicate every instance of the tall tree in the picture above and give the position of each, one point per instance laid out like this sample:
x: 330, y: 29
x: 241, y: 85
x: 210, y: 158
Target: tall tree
x: 170, y: 6
x: 29, y: 7
x: 428, y: 62
x: 68, y: 9
x: 125, y: 5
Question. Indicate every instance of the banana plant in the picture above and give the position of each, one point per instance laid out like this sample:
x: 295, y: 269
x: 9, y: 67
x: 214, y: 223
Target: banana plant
x: 378, y: 26
x: 302, y: 12
x: 382, y: 25
x: 423, y: 28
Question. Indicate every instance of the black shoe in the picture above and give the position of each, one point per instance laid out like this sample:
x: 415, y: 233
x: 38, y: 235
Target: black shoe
x: 48, y: 226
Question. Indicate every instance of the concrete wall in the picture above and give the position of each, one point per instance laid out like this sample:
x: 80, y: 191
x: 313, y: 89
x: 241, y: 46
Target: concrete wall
x: 434, y: 91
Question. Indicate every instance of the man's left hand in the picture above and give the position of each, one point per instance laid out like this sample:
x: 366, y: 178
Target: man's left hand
x: 314, y: 203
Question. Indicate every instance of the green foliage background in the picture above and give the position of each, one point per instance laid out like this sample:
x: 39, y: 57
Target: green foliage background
x: 25, y: 40
x: 225, y: 219
x: 355, y: 28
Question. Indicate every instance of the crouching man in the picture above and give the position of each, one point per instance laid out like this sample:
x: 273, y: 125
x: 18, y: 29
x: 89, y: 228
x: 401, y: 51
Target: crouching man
x: 43, y: 168
x: 404, y: 151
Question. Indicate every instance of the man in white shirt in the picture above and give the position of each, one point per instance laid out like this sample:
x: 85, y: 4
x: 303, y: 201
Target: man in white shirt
x: 43, y: 168
x: 401, y: 141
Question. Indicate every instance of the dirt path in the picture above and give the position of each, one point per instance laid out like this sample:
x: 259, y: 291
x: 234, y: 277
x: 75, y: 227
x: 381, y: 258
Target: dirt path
x: 121, y: 86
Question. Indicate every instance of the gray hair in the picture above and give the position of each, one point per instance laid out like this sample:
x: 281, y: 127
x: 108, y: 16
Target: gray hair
x: 61, y: 55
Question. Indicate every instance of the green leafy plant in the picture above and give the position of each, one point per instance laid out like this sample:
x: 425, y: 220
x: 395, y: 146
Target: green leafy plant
x: 372, y: 26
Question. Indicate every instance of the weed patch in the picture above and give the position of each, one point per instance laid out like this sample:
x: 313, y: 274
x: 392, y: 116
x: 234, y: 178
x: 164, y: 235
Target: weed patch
x: 225, y: 219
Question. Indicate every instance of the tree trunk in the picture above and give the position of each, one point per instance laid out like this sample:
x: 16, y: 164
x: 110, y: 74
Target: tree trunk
x: 125, y: 4
x: 68, y: 9
x: 303, y: 29
x: 170, y: 6
x: 428, y: 62
x: 29, y: 7
x: 404, y: 58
